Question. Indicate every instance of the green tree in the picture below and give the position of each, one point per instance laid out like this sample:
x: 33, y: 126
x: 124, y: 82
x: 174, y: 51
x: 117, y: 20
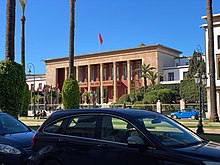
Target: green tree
x: 152, y: 76
x: 211, y: 59
x: 71, y: 95
x: 145, y: 68
x: 11, y: 73
x: 23, y: 5
x: 26, y: 101
x: 195, y: 65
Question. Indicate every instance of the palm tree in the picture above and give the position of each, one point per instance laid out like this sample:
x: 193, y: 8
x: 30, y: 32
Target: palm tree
x: 10, y: 30
x: 144, y: 72
x: 71, y: 46
x: 23, y: 5
x: 152, y: 76
x: 213, y: 103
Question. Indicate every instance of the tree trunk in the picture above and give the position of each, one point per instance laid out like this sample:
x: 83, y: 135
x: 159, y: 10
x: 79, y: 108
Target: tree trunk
x: 213, y: 103
x: 23, y: 41
x: 10, y: 30
x: 71, y: 46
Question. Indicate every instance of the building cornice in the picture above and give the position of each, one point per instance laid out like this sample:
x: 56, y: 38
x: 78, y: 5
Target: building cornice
x: 114, y: 52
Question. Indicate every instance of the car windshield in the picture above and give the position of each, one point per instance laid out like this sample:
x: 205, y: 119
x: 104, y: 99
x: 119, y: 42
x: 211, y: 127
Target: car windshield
x: 9, y: 125
x: 168, y: 132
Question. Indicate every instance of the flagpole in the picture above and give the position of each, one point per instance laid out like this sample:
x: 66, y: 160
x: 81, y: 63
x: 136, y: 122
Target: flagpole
x: 51, y: 98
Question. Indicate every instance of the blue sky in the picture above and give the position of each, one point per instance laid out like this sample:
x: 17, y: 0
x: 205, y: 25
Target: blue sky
x: 122, y: 24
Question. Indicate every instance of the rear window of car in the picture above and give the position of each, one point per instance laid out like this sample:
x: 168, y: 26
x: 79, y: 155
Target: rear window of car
x: 82, y: 126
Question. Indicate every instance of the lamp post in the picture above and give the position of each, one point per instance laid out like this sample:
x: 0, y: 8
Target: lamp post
x: 30, y: 66
x: 93, y: 96
x: 200, y: 79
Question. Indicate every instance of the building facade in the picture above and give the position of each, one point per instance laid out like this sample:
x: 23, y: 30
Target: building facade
x: 216, y: 28
x: 113, y: 73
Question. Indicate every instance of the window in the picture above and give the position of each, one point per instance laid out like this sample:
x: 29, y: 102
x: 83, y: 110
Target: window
x: 125, y: 71
x: 185, y: 75
x: 111, y: 71
x: 82, y: 126
x: 139, y: 71
x: 56, y: 127
x: 218, y: 63
x: 218, y: 41
x: 92, y: 73
x: 117, y: 130
x: 171, y: 76
x: 104, y: 73
x: 80, y: 75
x: 117, y: 72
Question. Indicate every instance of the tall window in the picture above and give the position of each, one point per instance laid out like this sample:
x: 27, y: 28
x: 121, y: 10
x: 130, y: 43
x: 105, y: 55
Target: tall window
x: 139, y: 70
x: 92, y: 73
x: 171, y: 76
x: 111, y: 71
x: 131, y: 71
x: 98, y: 72
x: 117, y: 72
x: 104, y: 73
x: 80, y: 75
x: 218, y: 41
x: 125, y: 71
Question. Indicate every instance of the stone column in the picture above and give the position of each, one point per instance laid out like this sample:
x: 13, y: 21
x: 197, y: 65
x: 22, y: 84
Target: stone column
x: 77, y: 73
x: 115, y: 82
x: 66, y: 73
x: 89, y: 79
x: 182, y: 104
x: 101, y: 83
x: 159, y: 106
x: 129, y: 75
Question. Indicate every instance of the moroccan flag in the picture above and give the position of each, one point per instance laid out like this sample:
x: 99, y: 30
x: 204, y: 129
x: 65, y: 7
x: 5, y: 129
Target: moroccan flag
x: 100, y: 38
x: 44, y: 88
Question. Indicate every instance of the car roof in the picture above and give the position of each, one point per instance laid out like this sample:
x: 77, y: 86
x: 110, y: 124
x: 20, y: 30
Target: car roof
x: 131, y: 113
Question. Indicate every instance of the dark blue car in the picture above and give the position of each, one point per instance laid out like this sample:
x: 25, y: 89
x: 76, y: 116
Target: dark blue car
x: 185, y: 113
x: 15, y: 140
x: 119, y: 137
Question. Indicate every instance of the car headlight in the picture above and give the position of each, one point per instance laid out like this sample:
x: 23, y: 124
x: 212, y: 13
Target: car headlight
x: 9, y: 149
x: 211, y: 163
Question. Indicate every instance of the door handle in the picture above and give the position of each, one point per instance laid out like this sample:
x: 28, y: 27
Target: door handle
x: 103, y: 146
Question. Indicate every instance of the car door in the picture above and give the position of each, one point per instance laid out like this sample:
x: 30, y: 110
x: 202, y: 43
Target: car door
x: 113, y: 148
x: 78, y: 145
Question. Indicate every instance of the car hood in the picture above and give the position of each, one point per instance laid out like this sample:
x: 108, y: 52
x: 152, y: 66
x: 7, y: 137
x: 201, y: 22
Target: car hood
x: 17, y: 139
x: 206, y: 151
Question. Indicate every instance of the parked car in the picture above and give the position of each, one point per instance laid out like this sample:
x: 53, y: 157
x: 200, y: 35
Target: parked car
x: 118, y: 137
x: 15, y: 140
x: 185, y: 113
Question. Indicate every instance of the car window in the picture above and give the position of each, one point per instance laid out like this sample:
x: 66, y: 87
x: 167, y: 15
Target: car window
x: 82, y: 126
x: 55, y: 127
x: 117, y: 130
x: 168, y: 132
x: 9, y: 125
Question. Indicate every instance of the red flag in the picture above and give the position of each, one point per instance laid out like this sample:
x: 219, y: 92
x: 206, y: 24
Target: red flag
x: 44, y: 88
x: 38, y: 90
x: 100, y: 38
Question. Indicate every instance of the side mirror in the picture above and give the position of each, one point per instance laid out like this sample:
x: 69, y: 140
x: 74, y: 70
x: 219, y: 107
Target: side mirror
x: 135, y: 141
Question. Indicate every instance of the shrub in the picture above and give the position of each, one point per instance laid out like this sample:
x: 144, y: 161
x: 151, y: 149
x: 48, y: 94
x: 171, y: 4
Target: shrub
x: 166, y: 96
x: 124, y: 98
x: 70, y: 94
x: 26, y: 101
x: 151, y: 97
x: 12, y: 80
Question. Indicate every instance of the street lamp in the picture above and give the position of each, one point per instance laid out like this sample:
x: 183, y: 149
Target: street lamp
x: 93, y: 96
x: 200, y: 79
x: 30, y: 66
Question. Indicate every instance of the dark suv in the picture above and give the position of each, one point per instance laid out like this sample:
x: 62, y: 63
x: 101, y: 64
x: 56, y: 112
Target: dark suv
x: 118, y: 137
